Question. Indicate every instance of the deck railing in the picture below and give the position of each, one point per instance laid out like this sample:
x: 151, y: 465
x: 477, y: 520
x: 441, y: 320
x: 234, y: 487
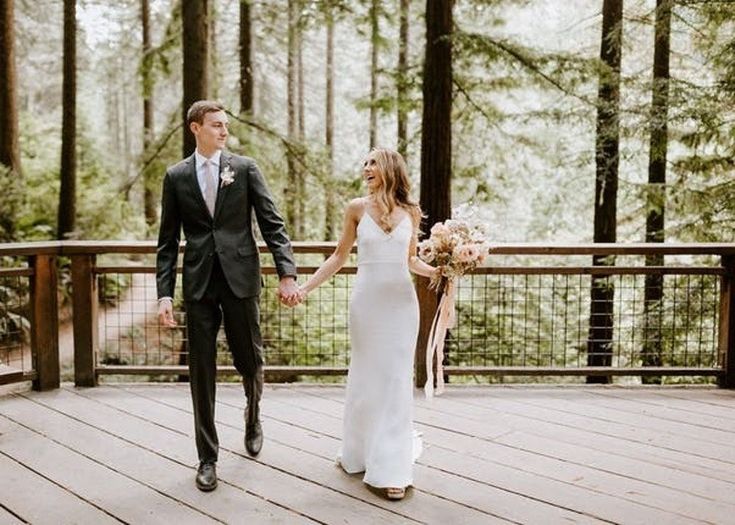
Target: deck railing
x: 526, y: 313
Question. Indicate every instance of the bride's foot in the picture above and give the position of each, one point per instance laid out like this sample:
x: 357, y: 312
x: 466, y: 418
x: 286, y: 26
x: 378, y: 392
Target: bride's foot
x: 395, y: 493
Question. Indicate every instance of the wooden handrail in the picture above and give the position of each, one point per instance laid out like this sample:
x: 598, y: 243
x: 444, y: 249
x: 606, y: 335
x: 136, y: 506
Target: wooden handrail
x: 142, y: 247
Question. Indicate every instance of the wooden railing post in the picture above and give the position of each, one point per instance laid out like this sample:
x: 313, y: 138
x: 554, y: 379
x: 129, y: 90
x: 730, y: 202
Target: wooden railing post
x: 428, y: 304
x: 84, y: 303
x: 45, y: 322
x: 727, y: 323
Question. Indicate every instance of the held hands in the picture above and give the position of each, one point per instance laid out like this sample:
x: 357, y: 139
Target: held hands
x: 166, y: 313
x: 288, y: 292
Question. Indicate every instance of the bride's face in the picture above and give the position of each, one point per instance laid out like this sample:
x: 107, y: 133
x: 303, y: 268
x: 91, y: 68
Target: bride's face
x: 371, y: 173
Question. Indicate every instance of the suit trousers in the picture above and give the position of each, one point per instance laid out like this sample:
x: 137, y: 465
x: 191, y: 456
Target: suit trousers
x: 242, y: 330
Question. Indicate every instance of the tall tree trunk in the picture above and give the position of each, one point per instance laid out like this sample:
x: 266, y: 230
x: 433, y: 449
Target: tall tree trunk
x: 149, y: 194
x: 246, y: 58
x: 291, y: 183
x: 436, y: 146
x: 329, y: 129
x: 301, y: 176
x: 114, y: 115
x: 602, y: 294
x: 656, y: 191
x: 195, y: 43
x: 401, y: 84
x: 67, y: 193
x: 10, y: 172
x: 374, y: 39
x: 214, y: 72
x: 127, y: 153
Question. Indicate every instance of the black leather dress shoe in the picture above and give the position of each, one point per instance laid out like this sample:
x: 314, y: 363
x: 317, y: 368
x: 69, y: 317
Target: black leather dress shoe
x: 206, y: 477
x: 253, y: 438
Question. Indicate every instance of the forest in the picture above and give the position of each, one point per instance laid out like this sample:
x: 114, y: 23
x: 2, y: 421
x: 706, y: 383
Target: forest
x: 545, y: 99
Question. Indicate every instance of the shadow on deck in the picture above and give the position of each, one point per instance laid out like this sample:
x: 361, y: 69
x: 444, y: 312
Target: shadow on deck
x: 125, y: 453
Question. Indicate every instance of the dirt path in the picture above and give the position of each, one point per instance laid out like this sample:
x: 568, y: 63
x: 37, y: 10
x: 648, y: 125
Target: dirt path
x: 138, y: 305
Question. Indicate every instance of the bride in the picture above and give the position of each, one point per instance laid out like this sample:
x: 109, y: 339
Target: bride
x: 378, y: 436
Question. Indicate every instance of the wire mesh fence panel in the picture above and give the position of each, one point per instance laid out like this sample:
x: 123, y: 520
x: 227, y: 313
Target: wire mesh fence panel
x: 15, y: 324
x: 528, y: 320
x: 129, y: 332
x: 314, y: 334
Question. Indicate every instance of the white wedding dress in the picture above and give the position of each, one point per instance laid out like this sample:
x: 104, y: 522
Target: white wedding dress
x: 378, y: 436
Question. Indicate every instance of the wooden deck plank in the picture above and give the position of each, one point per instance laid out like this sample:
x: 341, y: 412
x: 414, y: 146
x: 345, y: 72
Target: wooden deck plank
x: 678, y: 493
x: 492, y: 455
x: 447, y: 484
x: 658, y: 410
x: 698, y: 495
x: 535, y: 413
x: 451, y: 411
x: 705, y: 484
x: 319, y: 464
x: 18, y: 481
x: 172, y: 478
x: 118, y: 494
x: 106, y: 406
x: 688, y: 401
x: 8, y: 518
x: 659, y: 417
x: 604, y: 495
x: 513, y: 493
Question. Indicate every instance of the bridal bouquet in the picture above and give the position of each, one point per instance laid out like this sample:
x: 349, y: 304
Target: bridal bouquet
x: 455, y: 246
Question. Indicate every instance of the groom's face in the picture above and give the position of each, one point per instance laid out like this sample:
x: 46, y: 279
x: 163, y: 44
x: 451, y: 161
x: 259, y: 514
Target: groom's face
x: 212, y: 133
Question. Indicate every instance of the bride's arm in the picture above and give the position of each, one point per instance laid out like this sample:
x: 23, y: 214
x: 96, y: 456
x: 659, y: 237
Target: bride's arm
x: 338, y: 258
x: 415, y: 264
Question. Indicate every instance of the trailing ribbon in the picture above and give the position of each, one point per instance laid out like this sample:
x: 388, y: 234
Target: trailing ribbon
x: 443, y: 320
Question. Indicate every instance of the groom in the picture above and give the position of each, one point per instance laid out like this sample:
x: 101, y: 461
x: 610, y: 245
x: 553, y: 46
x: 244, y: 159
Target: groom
x: 213, y: 195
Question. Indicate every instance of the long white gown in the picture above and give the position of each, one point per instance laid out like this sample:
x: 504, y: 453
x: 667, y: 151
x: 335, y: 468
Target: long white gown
x: 378, y: 436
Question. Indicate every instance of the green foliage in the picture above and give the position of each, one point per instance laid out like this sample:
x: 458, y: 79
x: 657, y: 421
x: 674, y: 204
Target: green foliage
x: 101, y: 213
x: 158, y: 61
x: 701, y: 194
x: 10, y: 199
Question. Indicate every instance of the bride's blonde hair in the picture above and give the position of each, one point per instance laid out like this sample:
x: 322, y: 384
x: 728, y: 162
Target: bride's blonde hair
x: 396, y: 187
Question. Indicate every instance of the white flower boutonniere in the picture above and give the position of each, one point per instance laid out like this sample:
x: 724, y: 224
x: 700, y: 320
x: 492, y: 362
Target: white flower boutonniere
x: 227, y: 177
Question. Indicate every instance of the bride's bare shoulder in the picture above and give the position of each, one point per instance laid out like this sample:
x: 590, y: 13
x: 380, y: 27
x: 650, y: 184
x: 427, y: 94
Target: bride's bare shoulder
x: 355, y: 208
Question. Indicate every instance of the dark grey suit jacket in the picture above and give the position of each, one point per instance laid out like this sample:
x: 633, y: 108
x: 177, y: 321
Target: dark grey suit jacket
x: 228, y: 234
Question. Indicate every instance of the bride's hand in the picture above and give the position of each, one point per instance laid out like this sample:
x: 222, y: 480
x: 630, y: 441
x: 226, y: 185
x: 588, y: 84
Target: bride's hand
x: 302, y: 294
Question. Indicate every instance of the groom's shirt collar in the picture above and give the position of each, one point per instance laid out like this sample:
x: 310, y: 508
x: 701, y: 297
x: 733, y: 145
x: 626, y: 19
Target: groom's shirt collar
x: 199, y: 161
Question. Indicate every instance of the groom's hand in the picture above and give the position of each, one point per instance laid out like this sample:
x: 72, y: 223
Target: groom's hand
x: 288, y: 291
x: 166, y: 312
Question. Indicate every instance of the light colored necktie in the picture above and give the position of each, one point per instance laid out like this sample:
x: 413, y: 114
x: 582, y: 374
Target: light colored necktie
x: 210, y: 188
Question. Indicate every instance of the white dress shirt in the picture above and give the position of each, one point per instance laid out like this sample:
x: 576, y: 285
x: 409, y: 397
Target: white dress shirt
x: 201, y: 175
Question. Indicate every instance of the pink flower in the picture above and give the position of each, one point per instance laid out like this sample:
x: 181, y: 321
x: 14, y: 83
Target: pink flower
x: 465, y: 253
x: 426, y: 251
x: 440, y: 230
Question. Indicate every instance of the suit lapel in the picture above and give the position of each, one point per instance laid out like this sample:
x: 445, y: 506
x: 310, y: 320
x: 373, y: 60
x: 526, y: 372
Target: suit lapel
x: 194, y: 185
x: 224, y: 160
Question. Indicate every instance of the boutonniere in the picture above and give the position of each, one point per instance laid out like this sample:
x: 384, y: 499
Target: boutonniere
x: 228, y: 177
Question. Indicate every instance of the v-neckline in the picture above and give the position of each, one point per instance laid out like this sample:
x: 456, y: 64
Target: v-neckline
x: 387, y: 233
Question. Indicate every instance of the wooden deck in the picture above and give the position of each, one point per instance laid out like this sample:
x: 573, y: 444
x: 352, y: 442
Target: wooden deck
x: 492, y: 455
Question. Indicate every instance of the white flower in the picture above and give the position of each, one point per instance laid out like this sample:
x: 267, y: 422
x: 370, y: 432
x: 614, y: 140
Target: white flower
x: 228, y: 177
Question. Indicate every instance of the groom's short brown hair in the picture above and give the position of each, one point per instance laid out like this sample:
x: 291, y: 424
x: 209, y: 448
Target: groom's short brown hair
x: 200, y: 108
